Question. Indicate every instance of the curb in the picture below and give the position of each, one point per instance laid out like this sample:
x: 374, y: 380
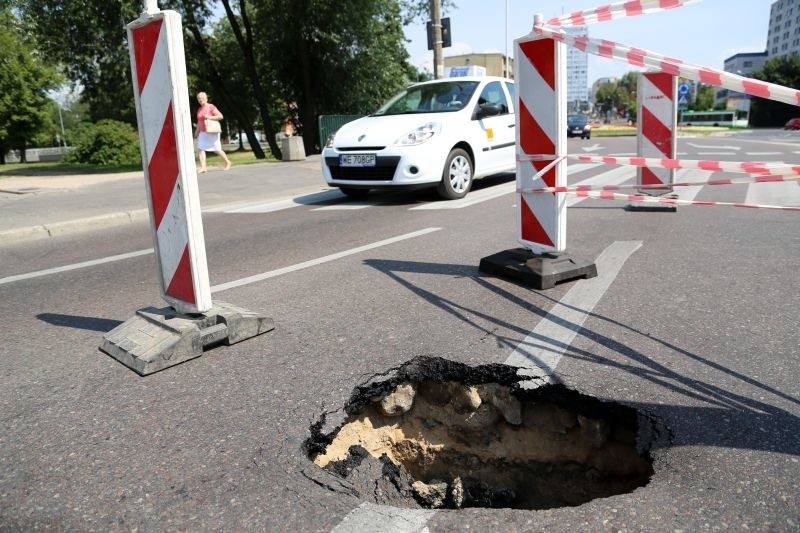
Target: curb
x: 73, y: 226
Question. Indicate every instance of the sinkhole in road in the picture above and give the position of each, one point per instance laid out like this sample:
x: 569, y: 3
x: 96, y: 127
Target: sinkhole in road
x: 435, y: 433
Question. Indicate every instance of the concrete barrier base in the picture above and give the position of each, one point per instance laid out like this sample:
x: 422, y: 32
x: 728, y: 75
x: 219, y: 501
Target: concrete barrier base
x: 540, y: 271
x: 156, y: 339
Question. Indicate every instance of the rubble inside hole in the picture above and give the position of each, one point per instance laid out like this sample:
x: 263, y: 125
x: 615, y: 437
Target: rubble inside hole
x: 436, y: 434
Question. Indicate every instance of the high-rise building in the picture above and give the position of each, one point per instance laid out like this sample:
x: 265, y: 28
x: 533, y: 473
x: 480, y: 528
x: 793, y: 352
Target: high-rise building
x: 577, y: 73
x: 743, y: 64
x: 783, y: 35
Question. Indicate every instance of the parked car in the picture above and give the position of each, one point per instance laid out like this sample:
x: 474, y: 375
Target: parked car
x: 442, y: 133
x: 793, y: 124
x: 578, y: 126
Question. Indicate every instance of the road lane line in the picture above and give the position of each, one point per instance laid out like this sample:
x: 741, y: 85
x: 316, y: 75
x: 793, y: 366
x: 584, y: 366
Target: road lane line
x: 538, y: 354
x: 543, y: 348
x: 319, y: 261
x: 74, y: 266
x: 779, y: 193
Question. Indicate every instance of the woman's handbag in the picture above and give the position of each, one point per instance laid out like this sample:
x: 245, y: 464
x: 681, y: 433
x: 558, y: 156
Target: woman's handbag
x: 213, y: 126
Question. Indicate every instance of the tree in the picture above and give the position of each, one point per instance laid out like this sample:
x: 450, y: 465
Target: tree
x: 24, y: 81
x: 782, y: 71
x: 87, y: 38
x: 705, y: 97
x: 332, y: 57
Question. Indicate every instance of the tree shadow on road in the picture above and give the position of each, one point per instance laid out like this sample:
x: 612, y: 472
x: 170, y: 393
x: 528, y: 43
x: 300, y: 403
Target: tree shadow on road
x: 730, y: 419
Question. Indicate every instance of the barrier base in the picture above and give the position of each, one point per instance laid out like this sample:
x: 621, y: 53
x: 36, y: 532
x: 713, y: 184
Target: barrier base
x: 541, y: 271
x: 654, y: 208
x: 156, y: 339
x: 660, y: 208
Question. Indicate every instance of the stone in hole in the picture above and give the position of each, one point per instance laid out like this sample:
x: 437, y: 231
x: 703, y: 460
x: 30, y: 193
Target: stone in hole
x: 434, y: 433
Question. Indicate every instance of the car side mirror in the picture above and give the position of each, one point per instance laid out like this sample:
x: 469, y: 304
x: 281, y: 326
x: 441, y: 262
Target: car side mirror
x: 488, y: 110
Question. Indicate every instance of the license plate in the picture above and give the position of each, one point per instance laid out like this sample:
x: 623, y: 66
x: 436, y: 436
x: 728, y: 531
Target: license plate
x: 357, y: 160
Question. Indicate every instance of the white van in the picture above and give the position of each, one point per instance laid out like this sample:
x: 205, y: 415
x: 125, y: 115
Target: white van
x: 444, y: 132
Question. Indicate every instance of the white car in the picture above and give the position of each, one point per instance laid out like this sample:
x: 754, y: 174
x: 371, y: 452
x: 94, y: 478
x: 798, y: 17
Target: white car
x: 444, y: 132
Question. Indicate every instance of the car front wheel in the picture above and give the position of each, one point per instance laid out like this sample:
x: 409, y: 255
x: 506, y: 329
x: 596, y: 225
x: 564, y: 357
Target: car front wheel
x: 456, y: 176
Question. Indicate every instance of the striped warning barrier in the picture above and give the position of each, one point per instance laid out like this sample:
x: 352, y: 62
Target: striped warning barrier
x: 541, y: 129
x: 675, y: 67
x: 751, y: 167
x: 657, y: 108
x: 607, y: 195
x: 630, y: 8
x: 162, y: 109
x: 767, y: 178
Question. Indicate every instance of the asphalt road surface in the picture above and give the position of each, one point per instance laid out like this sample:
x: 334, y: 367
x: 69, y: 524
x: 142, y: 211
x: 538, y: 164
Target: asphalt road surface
x: 692, y: 320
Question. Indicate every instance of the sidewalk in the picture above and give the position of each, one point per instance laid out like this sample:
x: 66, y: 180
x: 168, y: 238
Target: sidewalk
x: 36, y: 207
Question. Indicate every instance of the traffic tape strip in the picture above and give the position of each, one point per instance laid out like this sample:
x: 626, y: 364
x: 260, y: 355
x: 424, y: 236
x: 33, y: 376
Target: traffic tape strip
x: 751, y: 167
x: 619, y: 10
x: 660, y: 63
x: 725, y: 181
x: 638, y: 198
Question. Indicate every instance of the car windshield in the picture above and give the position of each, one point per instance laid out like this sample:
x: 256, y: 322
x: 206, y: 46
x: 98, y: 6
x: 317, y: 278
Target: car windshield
x: 576, y: 120
x: 444, y: 97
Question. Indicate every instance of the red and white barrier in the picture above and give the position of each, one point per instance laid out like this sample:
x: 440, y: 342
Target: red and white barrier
x: 165, y: 132
x: 761, y: 178
x: 657, y: 120
x: 638, y: 198
x: 675, y: 67
x: 541, y: 129
x: 630, y: 8
x: 751, y: 167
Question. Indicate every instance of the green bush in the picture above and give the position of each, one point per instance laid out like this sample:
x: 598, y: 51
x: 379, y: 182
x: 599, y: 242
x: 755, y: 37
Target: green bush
x: 106, y: 143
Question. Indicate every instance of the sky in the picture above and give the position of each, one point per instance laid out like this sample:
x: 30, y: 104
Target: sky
x: 704, y: 33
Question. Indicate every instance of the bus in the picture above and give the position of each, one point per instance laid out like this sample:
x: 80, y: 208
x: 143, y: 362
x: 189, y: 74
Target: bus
x: 732, y: 118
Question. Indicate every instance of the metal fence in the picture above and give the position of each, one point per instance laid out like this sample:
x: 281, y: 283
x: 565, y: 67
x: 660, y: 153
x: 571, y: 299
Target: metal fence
x: 328, y: 124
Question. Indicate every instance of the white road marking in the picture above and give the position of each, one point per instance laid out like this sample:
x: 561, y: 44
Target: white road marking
x: 764, y: 153
x: 278, y: 205
x: 543, y: 348
x: 74, y: 266
x: 615, y: 176
x: 778, y: 193
x: 714, y: 147
x: 691, y: 175
x: 474, y: 197
x: 557, y: 331
x: 318, y: 261
x: 373, y: 518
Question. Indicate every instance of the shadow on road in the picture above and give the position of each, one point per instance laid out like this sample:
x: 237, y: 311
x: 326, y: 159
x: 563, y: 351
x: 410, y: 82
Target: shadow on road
x: 729, y: 419
x: 79, y: 322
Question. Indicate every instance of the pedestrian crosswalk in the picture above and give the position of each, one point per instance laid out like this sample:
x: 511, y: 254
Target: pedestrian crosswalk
x: 594, y: 174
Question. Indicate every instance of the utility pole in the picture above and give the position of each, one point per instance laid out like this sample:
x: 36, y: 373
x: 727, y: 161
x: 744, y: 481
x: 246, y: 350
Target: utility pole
x: 436, y: 19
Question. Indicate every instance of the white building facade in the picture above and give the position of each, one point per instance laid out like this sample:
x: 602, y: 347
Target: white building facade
x: 783, y: 35
x: 577, y: 73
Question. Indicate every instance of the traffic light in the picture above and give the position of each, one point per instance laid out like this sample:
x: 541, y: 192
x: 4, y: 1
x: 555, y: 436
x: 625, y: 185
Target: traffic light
x: 446, y: 39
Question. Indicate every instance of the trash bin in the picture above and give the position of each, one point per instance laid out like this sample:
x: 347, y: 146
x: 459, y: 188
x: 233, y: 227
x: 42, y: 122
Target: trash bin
x: 292, y: 149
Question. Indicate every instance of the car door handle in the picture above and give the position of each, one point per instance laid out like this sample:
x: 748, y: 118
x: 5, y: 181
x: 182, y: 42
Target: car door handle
x: 512, y: 125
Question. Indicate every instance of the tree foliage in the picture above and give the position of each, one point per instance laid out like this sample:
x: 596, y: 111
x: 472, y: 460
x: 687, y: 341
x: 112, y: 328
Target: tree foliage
x: 24, y: 81
x: 782, y: 71
x: 106, y: 143
x: 327, y: 56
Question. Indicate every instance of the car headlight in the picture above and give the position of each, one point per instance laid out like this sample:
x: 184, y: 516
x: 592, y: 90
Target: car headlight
x: 419, y: 135
x: 329, y: 141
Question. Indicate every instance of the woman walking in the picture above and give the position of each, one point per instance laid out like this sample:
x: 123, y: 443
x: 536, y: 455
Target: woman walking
x: 208, y: 141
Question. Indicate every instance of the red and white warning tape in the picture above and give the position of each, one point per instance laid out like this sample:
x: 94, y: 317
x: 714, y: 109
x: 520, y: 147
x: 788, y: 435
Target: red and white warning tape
x: 752, y: 167
x: 676, y: 67
x: 725, y: 181
x: 638, y: 198
x: 756, y: 168
x: 630, y: 8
